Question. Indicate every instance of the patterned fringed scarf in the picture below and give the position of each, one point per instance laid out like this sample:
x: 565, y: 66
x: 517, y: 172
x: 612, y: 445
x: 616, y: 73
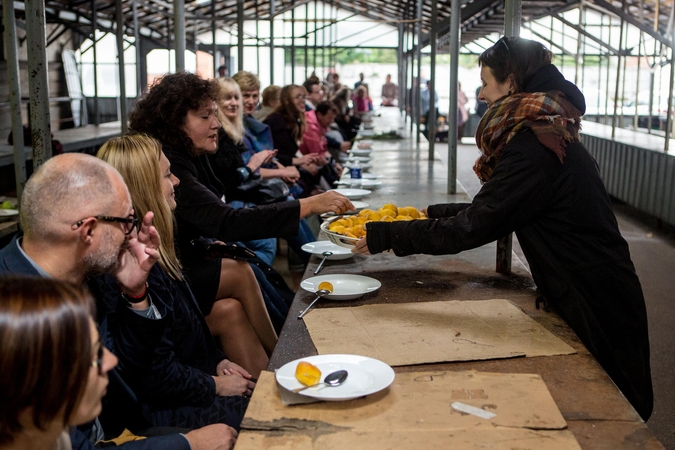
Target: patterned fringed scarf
x: 552, y: 119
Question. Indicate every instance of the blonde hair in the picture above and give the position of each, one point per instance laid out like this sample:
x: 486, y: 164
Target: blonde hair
x: 136, y: 157
x: 247, y: 81
x: 234, y: 129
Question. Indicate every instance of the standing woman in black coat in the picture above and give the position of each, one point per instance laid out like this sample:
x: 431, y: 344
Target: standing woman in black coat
x: 541, y: 183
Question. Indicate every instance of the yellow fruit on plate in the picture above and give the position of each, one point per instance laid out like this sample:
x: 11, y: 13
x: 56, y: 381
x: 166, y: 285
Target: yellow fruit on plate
x: 325, y: 285
x: 307, y: 373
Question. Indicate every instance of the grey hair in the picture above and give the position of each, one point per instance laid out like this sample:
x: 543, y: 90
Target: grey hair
x: 63, y: 189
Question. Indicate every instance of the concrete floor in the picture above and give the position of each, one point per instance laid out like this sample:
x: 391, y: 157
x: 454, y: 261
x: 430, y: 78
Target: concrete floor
x: 653, y: 253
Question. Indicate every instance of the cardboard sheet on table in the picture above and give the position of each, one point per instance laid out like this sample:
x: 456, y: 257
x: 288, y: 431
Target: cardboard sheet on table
x: 417, y: 333
x: 498, y: 439
x: 415, y: 408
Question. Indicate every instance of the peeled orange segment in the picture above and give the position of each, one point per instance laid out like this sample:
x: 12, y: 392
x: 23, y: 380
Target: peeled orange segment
x: 307, y: 373
x: 326, y: 285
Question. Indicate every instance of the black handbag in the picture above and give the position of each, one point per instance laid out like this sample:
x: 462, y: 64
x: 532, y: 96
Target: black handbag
x: 263, y: 191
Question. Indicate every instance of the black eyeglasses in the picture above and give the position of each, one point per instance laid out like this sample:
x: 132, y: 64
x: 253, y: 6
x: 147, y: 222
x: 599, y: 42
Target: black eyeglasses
x: 98, y: 362
x: 129, y: 222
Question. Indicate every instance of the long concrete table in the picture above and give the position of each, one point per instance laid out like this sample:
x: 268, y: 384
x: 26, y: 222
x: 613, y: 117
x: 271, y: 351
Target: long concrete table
x: 595, y: 410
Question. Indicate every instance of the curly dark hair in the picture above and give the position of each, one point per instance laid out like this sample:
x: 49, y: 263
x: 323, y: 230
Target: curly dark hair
x: 162, y: 113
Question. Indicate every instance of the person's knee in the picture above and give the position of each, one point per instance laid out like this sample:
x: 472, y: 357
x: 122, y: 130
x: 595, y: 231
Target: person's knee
x: 226, y: 309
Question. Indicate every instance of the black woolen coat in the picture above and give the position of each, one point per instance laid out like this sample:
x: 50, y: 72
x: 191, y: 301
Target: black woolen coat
x: 566, y: 227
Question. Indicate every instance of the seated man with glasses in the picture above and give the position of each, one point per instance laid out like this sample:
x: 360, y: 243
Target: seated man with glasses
x: 78, y: 221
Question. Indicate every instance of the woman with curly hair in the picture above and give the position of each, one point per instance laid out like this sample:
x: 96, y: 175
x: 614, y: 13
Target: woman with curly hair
x: 180, y: 111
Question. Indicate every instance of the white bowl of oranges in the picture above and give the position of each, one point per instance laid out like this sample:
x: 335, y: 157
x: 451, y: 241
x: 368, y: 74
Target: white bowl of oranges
x: 345, y: 231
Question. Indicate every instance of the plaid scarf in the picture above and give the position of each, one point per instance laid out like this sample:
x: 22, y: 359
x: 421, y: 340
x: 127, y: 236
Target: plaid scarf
x: 552, y: 119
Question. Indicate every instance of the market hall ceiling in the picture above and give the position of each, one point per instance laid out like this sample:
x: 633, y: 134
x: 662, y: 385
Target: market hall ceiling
x: 479, y: 18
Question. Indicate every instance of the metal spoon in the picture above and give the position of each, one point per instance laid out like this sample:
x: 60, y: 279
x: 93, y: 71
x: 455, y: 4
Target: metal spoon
x: 332, y: 379
x: 325, y: 254
x: 320, y: 293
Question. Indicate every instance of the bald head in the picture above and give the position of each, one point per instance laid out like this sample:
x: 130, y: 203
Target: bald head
x: 65, y: 189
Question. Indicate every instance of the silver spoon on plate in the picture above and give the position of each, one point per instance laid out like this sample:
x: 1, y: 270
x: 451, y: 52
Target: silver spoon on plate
x: 332, y: 379
x: 325, y: 254
x: 325, y: 289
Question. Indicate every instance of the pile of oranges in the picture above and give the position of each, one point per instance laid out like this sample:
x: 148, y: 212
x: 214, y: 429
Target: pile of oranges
x: 355, y: 226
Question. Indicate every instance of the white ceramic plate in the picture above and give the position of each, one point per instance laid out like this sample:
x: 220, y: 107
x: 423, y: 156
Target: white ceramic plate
x: 345, y: 286
x: 362, y: 159
x: 8, y: 214
x: 365, y: 376
x: 363, y: 182
x: 318, y: 247
x: 360, y: 152
x: 353, y: 194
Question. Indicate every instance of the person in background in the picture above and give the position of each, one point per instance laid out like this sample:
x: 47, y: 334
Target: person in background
x: 287, y: 124
x: 425, y: 106
x: 270, y: 102
x: 335, y: 84
x: 223, y: 72
x: 315, y: 140
x: 229, y: 166
x: 389, y: 92
x: 348, y: 124
x: 462, y: 112
x: 315, y: 93
x: 361, y: 102
x: 360, y: 82
x: 540, y: 182
x: 78, y: 221
x: 258, y: 135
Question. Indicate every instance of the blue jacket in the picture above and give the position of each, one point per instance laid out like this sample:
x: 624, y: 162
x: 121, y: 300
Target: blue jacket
x: 120, y: 406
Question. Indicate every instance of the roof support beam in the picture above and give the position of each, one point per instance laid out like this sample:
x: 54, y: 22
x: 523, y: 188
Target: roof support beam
x: 179, y: 33
x: 580, y: 30
x: 608, y: 7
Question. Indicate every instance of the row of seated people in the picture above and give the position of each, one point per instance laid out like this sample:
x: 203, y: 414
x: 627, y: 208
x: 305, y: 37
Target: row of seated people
x: 293, y: 145
x: 131, y: 225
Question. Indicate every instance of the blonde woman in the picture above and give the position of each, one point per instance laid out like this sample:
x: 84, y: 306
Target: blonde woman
x: 191, y: 383
x: 229, y: 167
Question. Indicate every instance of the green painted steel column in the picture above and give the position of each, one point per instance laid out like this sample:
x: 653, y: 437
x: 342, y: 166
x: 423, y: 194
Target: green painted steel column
x: 38, y: 82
